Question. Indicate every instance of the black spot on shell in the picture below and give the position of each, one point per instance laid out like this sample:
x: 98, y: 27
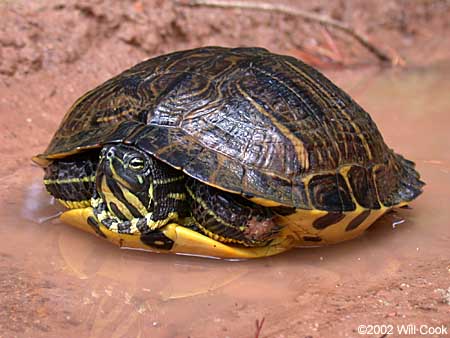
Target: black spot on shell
x: 94, y: 225
x: 357, y: 220
x: 157, y: 240
x: 327, y: 220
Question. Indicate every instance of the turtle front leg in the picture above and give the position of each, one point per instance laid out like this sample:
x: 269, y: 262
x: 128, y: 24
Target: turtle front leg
x: 230, y: 218
x: 71, y: 180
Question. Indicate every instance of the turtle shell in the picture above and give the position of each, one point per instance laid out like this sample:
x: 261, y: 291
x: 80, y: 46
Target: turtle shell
x: 248, y: 121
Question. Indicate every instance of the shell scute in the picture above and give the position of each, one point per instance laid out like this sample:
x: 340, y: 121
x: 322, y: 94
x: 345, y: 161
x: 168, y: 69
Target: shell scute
x: 330, y: 192
x: 260, y: 184
x: 363, y: 187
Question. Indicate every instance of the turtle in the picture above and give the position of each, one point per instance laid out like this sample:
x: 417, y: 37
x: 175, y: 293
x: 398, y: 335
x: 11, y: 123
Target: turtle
x: 223, y: 152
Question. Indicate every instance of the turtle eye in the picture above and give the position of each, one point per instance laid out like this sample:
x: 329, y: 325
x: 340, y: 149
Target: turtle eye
x: 136, y: 163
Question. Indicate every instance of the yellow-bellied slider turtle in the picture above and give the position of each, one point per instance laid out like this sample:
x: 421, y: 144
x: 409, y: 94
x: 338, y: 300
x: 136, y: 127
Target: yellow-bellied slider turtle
x: 223, y: 152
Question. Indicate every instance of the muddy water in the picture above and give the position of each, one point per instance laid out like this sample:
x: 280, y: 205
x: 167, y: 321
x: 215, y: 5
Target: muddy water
x: 73, y: 284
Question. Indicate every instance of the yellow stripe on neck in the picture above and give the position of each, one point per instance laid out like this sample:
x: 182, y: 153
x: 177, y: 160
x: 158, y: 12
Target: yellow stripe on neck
x: 70, y: 180
x: 177, y: 196
x: 168, y: 180
x: 75, y: 204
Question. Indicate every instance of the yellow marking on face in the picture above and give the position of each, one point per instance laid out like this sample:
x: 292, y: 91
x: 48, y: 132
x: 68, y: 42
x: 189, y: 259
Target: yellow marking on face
x: 95, y: 202
x: 133, y: 227
x: 114, y: 227
x: 302, y: 153
x: 150, y: 191
x: 117, y: 177
x: 140, y: 179
x: 103, y: 215
x: 133, y: 200
x: 110, y: 197
x: 70, y: 180
x: 331, y: 99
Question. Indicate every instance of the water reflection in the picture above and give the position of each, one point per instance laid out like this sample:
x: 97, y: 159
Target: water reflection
x: 38, y: 206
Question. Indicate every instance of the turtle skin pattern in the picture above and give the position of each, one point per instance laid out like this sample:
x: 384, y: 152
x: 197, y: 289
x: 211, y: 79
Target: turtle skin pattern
x: 246, y: 121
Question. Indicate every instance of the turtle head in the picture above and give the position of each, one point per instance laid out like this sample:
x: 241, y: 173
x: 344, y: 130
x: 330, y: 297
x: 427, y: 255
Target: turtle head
x: 124, y: 180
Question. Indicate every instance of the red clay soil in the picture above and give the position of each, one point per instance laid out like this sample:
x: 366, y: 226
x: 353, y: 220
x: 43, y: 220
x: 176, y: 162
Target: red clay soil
x: 52, y: 51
